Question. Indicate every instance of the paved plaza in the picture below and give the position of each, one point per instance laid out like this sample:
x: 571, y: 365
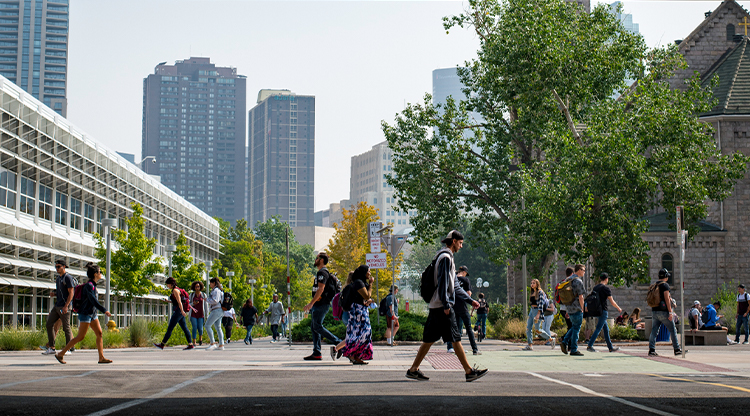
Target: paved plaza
x: 270, y: 378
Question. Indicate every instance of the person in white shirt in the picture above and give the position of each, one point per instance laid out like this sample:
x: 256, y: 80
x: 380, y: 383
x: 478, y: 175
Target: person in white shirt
x: 228, y: 321
x: 276, y: 309
x: 215, y: 297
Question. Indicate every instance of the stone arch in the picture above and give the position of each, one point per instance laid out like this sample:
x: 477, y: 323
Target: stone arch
x: 730, y: 32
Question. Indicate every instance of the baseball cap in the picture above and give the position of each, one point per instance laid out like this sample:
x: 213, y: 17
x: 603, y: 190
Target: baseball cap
x: 464, y: 269
x: 697, y: 302
x: 453, y: 235
x: 741, y: 286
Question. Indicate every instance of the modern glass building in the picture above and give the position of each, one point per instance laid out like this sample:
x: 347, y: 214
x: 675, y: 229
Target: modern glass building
x: 56, y: 185
x: 34, y: 48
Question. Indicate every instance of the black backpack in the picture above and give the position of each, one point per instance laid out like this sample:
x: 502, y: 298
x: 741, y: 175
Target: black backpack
x: 333, y: 286
x: 383, y: 309
x: 226, y: 304
x: 704, y: 316
x: 427, y: 285
x: 593, y: 305
x: 345, y: 300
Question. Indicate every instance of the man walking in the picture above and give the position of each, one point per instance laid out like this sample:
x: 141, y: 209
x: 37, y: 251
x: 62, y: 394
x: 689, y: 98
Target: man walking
x: 64, y: 288
x: 322, y: 294
x: 391, y: 316
x: 574, y: 310
x: 605, y: 295
x: 462, y: 312
x: 662, y: 314
x: 276, y: 309
x: 441, y: 321
x: 743, y: 307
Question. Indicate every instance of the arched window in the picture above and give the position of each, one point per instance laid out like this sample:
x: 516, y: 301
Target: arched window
x: 730, y: 32
x: 667, y: 262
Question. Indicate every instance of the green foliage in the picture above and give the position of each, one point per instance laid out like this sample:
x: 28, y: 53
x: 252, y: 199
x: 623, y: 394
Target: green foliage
x: 138, y: 333
x: 510, y: 329
x: 590, y: 167
x: 412, y: 327
x: 727, y: 295
x: 132, y: 264
x: 623, y: 333
x: 502, y: 312
x: 184, y: 271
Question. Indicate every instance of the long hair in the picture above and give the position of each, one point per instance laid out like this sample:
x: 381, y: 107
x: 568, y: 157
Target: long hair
x: 91, y: 270
x: 215, y: 281
x: 538, y: 285
x: 360, y: 273
x: 636, y: 314
x: 349, y: 279
x: 248, y: 303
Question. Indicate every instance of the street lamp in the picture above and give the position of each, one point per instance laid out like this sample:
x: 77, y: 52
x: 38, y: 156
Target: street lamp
x: 140, y: 164
x: 108, y: 224
x: 230, y: 275
x: 171, y: 248
x: 251, y: 282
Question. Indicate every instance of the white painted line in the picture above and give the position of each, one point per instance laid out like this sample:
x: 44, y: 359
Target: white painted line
x: 2, y: 386
x: 155, y: 396
x: 606, y: 396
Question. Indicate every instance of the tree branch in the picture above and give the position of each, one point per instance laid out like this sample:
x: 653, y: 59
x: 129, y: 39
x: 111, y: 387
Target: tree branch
x: 566, y: 112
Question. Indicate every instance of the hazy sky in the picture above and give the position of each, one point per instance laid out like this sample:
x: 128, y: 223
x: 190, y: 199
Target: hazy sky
x: 361, y: 59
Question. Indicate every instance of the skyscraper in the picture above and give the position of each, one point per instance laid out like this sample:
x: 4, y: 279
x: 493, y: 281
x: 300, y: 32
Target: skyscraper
x: 194, y: 125
x: 34, y: 48
x: 281, y: 158
x: 625, y: 18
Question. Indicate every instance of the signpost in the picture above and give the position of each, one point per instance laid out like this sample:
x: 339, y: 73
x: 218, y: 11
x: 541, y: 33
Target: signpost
x: 374, y: 229
x: 682, y: 241
x: 394, y: 244
x: 376, y: 260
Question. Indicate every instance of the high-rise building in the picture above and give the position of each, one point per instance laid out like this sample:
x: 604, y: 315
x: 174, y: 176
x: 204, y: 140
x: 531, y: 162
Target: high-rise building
x: 194, y: 125
x: 34, y: 48
x: 281, y: 158
x: 625, y: 18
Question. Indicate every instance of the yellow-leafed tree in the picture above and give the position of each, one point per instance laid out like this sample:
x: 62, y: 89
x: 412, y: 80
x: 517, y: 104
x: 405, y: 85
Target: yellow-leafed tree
x: 350, y: 244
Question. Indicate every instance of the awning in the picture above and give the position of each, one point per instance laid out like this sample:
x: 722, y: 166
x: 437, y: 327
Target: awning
x: 158, y: 297
x: 18, y: 282
x: 3, y: 281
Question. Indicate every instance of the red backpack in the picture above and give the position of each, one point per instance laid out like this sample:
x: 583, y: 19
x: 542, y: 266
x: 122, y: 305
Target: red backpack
x: 185, y: 299
x: 78, y: 297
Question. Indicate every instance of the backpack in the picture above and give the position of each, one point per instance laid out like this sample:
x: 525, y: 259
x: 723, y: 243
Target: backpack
x: 77, y: 297
x: 593, y: 305
x: 226, y: 304
x: 704, y: 316
x: 185, y: 299
x: 333, y: 286
x: 564, y: 292
x: 383, y: 308
x: 336, y: 307
x: 427, y: 285
x: 345, y: 298
x: 652, y: 297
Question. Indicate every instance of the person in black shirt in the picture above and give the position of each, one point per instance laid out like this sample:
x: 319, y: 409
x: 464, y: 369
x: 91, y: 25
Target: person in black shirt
x: 178, y: 316
x: 319, y: 305
x: 605, y: 295
x: 482, y: 311
x: 462, y: 312
x: 662, y: 314
x: 248, y: 314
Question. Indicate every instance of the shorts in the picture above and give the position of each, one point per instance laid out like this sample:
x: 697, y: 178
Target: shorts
x: 390, y: 319
x: 439, y: 325
x: 86, y: 318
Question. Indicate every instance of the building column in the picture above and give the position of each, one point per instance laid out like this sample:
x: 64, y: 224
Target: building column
x: 33, y: 308
x: 15, y: 307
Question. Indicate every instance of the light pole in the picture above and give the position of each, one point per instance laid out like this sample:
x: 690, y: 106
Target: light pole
x: 230, y: 275
x: 108, y: 224
x: 171, y: 248
x: 251, y: 282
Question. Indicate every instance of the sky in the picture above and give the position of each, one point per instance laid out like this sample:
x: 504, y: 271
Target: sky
x: 363, y: 60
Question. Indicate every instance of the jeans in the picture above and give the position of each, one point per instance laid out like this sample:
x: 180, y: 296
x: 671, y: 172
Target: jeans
x: 318, y: 313
x: 249, y: 337
x: 530, y: 324
x: 462, y: 317
x: 601, y: 324
x: 546, y: 331
x: 482, y: 322
x: 177, y: 318
x: 55, y: 314
x: 571, y: 337
x: 275, y: 331
x: 214, y: 320
x: 742, y: 320
x: 657, y: 318
x: 197, y: 324
x: 282, y: 330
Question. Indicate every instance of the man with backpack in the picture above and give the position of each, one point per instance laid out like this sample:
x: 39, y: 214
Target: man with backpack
x: 64, y: 287
x: 462, y: 312
x: 743, y: 308
x: 391, y: 315
x: 659, y: 300
x: 441, y: 321
x: 325, y: 287
x: 570, y: 292
x: 603, y: 295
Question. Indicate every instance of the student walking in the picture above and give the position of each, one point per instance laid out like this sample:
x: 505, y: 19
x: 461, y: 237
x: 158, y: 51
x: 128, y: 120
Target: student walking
x: 482, y: 311
x: 337, y: 351
x: 324, y: 289
x: 60, y: 312
x: 391, y: 316
x: 562, y: 309
x: 215, y: 297
x: 662, y: 314
x: 227, y: 321
x: 574, y: 310
x: 538, y: 303
x: 441, y: 320
x: 178, y: 314
x: 276, y: 310
x: 248, y: 314
x: 198, y: 312
x: 462, y: 312
x: 743, y: 309
x: 358, y: 329
x: 87, y: 315
x: 605, y: 296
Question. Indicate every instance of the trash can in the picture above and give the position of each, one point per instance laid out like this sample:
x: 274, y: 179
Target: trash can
x: 663, y: 334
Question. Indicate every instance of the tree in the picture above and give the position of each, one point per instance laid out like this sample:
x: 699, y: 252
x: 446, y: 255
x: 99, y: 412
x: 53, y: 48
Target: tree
x: 242, y: 253
x: 184, y: 270
x: 557, y: 164
x: 350, y: 244
x: 133, y: 263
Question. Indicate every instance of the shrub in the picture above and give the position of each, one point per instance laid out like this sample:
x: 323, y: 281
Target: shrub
x: 727, y: 295
x: 13, y: 340
x: 115, y: 339
x: 411, y: 327
x: 138, y: 333
x: 501, y: 312
x: 511, y: 329
x: 623, y: 332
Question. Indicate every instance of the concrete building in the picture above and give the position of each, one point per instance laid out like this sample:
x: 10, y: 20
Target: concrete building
x: 281, y: 158
x: 194, y: 125
x: 56, y: 186
x: 317, y: 237
x: 34, y: 48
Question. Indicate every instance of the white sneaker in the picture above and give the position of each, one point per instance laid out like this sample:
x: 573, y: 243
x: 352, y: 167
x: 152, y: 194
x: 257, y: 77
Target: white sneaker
x: 745, y: 343
x: 211, y: 347
x: 450, y: 351
x: 273, y: 341
x: 221, y: 348
x: 49, y: 351
x: 68, y: 352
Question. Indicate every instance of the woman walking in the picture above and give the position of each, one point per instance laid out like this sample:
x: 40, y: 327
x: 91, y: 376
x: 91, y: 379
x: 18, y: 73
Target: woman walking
x: 178, y: 315
x: 358, y: 330
x: 537, y: 302
x: 215, y: 297
x: 338, y: 350
x: 87, y: 315
x: 228, y: 321
x: 199, y: 312
x: 248, y: 314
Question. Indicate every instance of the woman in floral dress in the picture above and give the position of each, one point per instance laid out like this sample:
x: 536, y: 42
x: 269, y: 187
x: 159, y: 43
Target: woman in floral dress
x: 358, y: 330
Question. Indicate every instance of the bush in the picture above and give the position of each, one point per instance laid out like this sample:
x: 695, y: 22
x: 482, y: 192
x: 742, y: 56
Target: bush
x: 13, y: 340
x: 511, y: 329
x: 727, y: 295
x: 501, y: 312
x: 138, y: 333
x: 411, y: 327
x: 623, y: 333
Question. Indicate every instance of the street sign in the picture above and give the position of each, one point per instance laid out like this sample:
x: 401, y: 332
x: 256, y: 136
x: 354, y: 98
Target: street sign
x: 376, y: 260
x: 372, y: 232
x: 398, y: 242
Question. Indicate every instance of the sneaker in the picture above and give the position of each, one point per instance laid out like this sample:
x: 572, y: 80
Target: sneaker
x: 450, y: 351
x: 68, y: 352
x: 72, y: 350
x: 564, y: 348
x: 43, y: 347
x: 273, y: 341
x: 613, y: 349
x: 552, y: 343
x: 228, y: 341
x: 590, y: 349
x: 679, y: 352
x: 221, y: 348
x: 247, y: 343
x: 730, y: 342
x: 527, y: 348
x: 333, y: 353
x: 652, y: 354
x: 417, y: 375
x: 475, y: 374
x: 200, y: 342
x: 49, y: 351
x: 745, y: 343
x: 313, y: 357
x: 477, y: 353
x: 576, y: 354
x: 211, y: 347
x: 159, y: 346
x: 189, y: 347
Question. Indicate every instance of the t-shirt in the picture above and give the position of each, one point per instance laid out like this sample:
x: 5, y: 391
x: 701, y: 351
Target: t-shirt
x: 695, y: 316
x: 742, y: 303
x: 248, y: 315
x: 603, y: 292
x: 62, y: 284
x: 276, y: 309
x: 197, y: 304
x: 663, y: 287
x: 389, y: 300
x: 578, y: 290
x: 229, y: 313
x: 465, y: 284
x: 482, y: 306
x: 321, y: 277
x: 356, y: 296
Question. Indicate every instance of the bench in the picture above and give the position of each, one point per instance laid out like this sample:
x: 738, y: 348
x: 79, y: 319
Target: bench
x: 701, y: 337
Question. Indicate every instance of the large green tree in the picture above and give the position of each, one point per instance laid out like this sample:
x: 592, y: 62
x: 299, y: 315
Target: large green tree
x: 184, y: 270
x: 557, y: 163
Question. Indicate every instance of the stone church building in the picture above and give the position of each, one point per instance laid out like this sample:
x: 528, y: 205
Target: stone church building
x: 721, y: 251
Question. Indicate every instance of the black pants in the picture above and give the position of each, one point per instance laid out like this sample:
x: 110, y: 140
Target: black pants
x: 567, y: 320
x: 228, y: 323
x: 275, y: 331
x: 463, y: 317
